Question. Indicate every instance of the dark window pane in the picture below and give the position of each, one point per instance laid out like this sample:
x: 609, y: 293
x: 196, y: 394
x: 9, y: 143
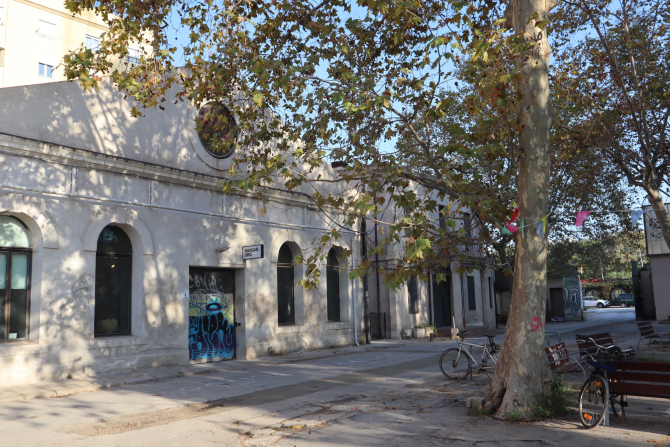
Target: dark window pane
x: 413, y: 295
x: 333, y: 286
x: 114, y: 240
x: 286, y: 308
x: 491, y: 292
x: 441, y: 217
x: 18, y: 304
x: 285, y: 255
x: 472, y: 303
x: 112, y: 295
x: 3, y: 292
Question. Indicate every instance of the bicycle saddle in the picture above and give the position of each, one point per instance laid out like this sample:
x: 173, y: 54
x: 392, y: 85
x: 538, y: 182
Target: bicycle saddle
x: 489, y: 335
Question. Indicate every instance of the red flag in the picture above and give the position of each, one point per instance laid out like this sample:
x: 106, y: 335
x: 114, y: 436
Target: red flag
x: 512, y: 228
x: 515, y: 214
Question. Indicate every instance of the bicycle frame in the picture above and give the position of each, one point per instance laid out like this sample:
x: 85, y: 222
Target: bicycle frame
x: 485, y: 352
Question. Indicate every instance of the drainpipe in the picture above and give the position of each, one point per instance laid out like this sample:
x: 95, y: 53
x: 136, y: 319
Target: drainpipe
x: 366, y: 298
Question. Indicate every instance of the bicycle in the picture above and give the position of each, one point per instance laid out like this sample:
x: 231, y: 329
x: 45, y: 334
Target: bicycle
x: 459, y: 363
x: 594, y: 396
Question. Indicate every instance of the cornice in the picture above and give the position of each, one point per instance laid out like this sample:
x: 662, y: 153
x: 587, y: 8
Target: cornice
x: 65, y: 155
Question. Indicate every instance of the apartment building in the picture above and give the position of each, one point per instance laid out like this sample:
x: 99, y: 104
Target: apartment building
x: 36, y: 35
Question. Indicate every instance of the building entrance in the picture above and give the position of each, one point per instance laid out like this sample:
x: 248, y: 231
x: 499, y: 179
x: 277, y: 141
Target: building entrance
x: 211, y: 313
x: 442, y: 302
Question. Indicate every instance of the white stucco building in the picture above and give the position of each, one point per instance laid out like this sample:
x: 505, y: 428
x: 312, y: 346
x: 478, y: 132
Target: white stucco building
x: 465, y: 300
x: 119, y: 251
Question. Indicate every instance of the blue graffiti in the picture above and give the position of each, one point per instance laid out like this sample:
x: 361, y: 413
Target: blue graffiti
x: 210, y: 335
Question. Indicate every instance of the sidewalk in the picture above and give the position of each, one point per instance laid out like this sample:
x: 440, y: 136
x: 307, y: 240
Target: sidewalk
x: 77, y: 385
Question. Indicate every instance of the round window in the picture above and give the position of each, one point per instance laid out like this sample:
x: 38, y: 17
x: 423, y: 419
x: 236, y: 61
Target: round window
x: 217, y: 130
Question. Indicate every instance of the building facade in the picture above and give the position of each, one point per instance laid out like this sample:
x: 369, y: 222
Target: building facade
x: 119, y: 251
x: 465, y: 299
x: 36, y: 34
x: 655, y: 281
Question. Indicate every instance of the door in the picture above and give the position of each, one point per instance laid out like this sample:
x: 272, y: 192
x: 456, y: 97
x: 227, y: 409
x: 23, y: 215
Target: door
x: 211, y: 313
x: 557, y: 302
x: 442, y: 303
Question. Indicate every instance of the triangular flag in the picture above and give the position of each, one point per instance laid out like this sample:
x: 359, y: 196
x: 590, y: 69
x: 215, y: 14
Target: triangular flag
x: 515, y: 214
x: 581, y: 217
x: 635, y: 216
x: 505, y: 230
x: 511, y: 228
x: 522, y: 226
x: 539, y: 229
x: 544, y: 224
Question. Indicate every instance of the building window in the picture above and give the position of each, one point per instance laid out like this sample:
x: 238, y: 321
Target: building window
x: 15, y: 263
x: 45, y: 70
x: 333, y: 286
x: 491, y: 292
x: 285, y: 286
x: 472, y: 302
x: 47, y: 29
x: 113, y: 270
x: 466, y: 225
x: 134, y: 56
x: 413, y: 295
x: 217, y: 129
x: 92, y: 42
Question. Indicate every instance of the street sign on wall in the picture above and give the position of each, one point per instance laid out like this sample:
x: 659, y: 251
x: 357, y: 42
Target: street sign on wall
x: 252, y: 252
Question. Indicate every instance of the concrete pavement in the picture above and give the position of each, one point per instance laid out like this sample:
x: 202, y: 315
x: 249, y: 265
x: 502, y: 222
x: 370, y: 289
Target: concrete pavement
x: 389, y: 394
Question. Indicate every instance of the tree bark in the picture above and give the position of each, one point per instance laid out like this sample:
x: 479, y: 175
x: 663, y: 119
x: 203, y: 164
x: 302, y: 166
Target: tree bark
x: 517, y: 385
x: 656, y: 202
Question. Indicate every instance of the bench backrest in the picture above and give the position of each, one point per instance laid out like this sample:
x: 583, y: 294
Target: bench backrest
x: 587, y: 347
x: 557, y: 355
x: 646, y: 328
x: 648, y: 379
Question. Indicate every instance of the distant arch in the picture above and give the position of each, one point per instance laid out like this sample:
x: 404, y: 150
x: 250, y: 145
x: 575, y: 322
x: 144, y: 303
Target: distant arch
x: 43, y: 230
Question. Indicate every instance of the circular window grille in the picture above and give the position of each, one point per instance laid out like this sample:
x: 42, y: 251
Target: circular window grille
x: 217, y: 130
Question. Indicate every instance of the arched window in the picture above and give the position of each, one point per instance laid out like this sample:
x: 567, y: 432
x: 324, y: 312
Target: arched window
x: 333, y: 286
x: 14, y: 279
x: 113, y: 267
x: 285, y: 292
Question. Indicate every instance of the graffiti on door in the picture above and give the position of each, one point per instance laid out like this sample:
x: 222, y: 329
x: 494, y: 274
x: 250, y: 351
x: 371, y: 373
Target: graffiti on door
x: 211, y: 331
x: 572, y: 299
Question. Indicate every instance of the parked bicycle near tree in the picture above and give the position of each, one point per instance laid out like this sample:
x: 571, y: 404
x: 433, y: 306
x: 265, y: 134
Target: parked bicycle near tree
x: 459, y: 363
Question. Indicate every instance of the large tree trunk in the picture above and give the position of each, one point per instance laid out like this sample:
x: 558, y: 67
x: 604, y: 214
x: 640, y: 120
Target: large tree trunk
x: 663, y: 219
x: 517, y: 384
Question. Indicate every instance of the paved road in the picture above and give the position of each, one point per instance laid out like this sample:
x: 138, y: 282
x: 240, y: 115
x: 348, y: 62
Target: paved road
x: 390, y: 396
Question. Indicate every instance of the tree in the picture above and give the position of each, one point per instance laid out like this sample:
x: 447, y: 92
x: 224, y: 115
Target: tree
x: 617, y: 76
x: 312, y: 83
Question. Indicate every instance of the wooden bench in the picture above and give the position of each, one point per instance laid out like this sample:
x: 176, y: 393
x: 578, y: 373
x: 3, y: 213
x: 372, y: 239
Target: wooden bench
x: 588, y: 349
x: 645, y: 379
x: 647, y: 333
x: 561, y: 362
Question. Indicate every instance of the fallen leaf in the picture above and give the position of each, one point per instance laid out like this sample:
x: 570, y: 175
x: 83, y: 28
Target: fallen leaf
x: 156, y: 394
x: 33, y: 417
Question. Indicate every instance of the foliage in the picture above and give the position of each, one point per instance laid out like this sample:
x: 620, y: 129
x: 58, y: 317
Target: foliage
x: 480, y: 412
x: 615, y: 78
x: 404, y: 335
x: 555, y: 397
x: 604, y: 290
x: 606, y: 257
x: 514, y: 416
x: 429, y: 328
x: 337, y: 81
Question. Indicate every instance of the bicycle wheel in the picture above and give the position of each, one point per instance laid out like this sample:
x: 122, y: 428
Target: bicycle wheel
x: 455, y: 364
x: 593, y: 401
x: 489, y: 365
